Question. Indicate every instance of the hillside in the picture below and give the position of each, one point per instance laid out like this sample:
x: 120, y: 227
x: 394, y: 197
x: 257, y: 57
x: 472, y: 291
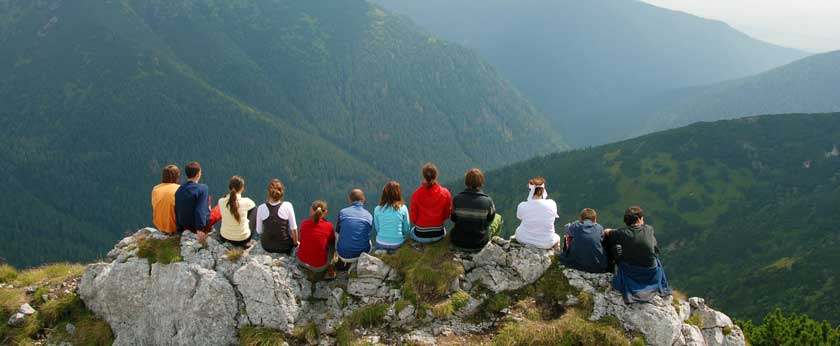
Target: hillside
x: 745, y: 210
x: 809, y: 85
x: 99, y: 95
x: 585, y: 62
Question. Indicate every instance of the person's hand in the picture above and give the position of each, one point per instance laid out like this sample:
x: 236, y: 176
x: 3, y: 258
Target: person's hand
x: 202, y: 236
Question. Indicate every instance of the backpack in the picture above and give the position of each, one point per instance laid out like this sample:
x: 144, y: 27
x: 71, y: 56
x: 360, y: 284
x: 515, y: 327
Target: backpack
x: 275, y: 235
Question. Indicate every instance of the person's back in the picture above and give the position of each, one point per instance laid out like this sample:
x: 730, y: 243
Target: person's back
x: 276, y: 222
x: 584, y: 250
x: 163, y: 200
x: 635, y: 245
x: 431, y: 206
x: 537, y: 215
x: 192, y: 202
x: 474, y: 215
x: 234, y: 209
x: 640, y: 275
x: 314, y: 239
x: 353, y: 228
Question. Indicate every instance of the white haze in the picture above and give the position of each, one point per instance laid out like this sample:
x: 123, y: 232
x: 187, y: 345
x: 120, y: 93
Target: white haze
x: 809, y: 25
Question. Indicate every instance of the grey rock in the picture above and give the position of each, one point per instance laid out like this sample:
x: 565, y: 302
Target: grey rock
x: 70, y: 329
x: 371, y: 267
x: 26, y: 309
x: 365, y: 287
x: 419, y: 337
x: 693, y: 336
x: 491, y: 255
x: 269, y: 295
x: 17, y: 320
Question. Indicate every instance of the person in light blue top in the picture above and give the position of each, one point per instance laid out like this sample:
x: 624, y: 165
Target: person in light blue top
x: 390, y: 218
x: 354, y: 228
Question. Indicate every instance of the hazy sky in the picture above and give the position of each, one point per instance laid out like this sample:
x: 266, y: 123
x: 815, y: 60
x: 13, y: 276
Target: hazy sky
x: 811, y: 25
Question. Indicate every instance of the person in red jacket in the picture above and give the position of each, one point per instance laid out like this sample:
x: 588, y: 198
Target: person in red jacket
x: 431, y: 205
x: 317, y: 242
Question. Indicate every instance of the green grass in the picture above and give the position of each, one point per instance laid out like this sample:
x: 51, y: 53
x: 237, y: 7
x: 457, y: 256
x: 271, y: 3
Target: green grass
x: 37, y: 296
x: 234, y: 254
x: 400, y: 305
x: 448, y: 307
x: 7, y: 273
x: 253, y: 336
x: 60, y: 308
x: 164, y: 251
x: 365, y: 317
x: 569, y: 330
x: 695, y: 320
x: 308, y: 333
x: 49, y: 274
x: 427, y: 273
x: 727, y: 330
x: 496, y: 303
x: 11, y: 300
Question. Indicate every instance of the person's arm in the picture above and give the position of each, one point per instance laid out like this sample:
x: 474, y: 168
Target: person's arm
x: 202, y: 208
x: 413, y: 209
x: 338, y: 223
x: 491, y: 214
x: 454, y: 215
x: 447, y: 209
x: 261, y: 215
x: 296, y: 237
x: 406, y: 227
x: 519, y: 210
x: 376, y: 218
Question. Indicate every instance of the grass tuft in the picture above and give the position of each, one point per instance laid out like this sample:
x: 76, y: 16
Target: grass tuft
x: 7, y: 273
x: 400, y: 305
x: 448, y: 307
x: 308, y: 333
x: 496, y: 303
x: 60, y: 308
x: 11, y: 300
x: 571, y: 329
x: 727, y: 330
x: 49, y: 274
x: 427, y: 273
x: 366, y: 317
x: 234, y: 254
x: 253, y: 336
x: 91, y: 331
x: 164, y: 251
x: 695, y: 320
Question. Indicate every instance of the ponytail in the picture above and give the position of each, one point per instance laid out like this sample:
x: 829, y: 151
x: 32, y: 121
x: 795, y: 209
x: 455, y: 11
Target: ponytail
x: 236, y: 184
x: 430, y: 174
x: 319, y: 208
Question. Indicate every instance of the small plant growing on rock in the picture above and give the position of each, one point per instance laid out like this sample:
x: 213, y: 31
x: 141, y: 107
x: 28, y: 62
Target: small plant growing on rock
x: 308, y: 333
x: 253, y: 336
x: 234, y: 254
x: 427, y: 272
x: 163, y: 251
x: 695, y: 320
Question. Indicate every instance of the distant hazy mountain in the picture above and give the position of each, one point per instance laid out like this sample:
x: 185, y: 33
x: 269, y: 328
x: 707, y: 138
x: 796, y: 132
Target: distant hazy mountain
x: 98, y: 95
x: 743, y: 209
x: 584, y: 61
x: 808, y: 85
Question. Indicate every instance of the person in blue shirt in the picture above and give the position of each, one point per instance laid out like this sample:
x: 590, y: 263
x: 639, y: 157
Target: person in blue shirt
x: 583, y: 247
x: 390, y: 218
x: 353, y: 228
x: 192, y: 203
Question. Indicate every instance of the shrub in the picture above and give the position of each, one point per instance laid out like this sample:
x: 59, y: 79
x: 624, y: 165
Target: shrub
x: 164, y: 251
x: 427, y: 273
x: 253, y: 336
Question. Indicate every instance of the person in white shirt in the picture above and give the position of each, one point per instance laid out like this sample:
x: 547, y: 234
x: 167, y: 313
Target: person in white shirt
x: 537, y: 215
x: 276, y: 224
x: 234, y: 209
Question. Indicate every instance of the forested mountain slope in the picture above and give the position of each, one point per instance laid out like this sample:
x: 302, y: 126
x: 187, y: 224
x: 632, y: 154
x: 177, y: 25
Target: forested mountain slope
x: 809, y: 85
x: 745, y: 210
x: 98, y: 95
x: 584, y: 62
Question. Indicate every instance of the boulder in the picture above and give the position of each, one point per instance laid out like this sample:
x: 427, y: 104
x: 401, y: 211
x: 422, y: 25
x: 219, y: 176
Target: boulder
x: 16, y: 320
x: 26, y: 309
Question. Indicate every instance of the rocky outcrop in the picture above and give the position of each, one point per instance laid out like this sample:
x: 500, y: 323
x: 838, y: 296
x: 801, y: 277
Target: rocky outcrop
x: 205, y: 298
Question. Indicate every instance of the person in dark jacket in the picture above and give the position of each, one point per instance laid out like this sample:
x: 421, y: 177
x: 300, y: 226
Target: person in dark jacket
x: 640, y: 275
x: 353, y: 228
x: 192, y: 203
x: 583, y: 249
x: 474, y: 215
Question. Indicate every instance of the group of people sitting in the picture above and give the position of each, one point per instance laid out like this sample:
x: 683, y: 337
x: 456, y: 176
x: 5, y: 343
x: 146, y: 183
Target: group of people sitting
x: 320, y: 245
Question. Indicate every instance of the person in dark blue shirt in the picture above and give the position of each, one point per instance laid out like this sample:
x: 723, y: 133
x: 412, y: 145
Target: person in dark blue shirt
x: 192, y: 203
x: 583, y: 249
x: 353, y: 227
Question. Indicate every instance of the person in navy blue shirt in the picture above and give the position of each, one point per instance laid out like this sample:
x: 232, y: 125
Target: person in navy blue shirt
x: 192, y: 203
x: 353, y: 228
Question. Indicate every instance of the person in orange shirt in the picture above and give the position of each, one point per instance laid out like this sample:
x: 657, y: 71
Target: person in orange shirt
x: 163, y: 200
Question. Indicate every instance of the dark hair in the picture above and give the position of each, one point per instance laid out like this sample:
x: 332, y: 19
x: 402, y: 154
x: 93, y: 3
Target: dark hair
x: 391, y: 195
x: 633, y: 215
x: 357, y: 195
x: 537, y: 181
x: 236, y: 184
x: 430, y: 174
x: 171, y: 174
x: 276, y: 190
x: 474, y: 179
x: 320, y: 208
x: 192, y: 169
x: 588, y: 214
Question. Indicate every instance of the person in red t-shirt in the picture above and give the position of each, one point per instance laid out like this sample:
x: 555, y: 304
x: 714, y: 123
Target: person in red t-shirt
x: 431, y: 205
x: 317, y: 242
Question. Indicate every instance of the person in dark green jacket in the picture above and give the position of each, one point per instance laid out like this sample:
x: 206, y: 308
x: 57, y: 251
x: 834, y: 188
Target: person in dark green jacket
x: 474, y: 215
x: 639, y: 276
